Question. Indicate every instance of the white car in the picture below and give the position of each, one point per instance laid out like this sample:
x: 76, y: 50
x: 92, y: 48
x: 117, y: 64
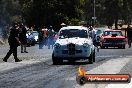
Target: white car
x: 36, y: 36
x: 73, y: 44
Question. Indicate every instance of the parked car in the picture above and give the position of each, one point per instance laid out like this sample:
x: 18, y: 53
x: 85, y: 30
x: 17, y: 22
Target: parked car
x: 36, y: 36
x: 30, y: 39
x: 113, y: 38
x: 73, y: 43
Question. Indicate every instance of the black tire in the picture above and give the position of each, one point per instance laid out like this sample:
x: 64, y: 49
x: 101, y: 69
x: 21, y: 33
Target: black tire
x: 81, y: 80
x: 33, y: 43
x: 55, y: 60
x: 94, y: 56
x: 102, y: 47
x: 123, y: 47
x: 91, y: 58
x: 28, y: 45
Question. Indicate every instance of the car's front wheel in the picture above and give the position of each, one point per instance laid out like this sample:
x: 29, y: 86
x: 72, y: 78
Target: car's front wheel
x: 33, y: 43
x: 102, y: 47
x: 123, y: 47
x: 92, y: 57
x: 55, y: 60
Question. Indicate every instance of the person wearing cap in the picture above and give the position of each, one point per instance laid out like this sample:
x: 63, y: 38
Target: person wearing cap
x: 13, y: 43
x: 63, y: 25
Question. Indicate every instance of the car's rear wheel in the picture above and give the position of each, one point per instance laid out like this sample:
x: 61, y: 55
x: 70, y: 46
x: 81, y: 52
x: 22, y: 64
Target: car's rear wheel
x: 123, y: 47
x: 28, y: 45
x: 102, y: 47
x: 33, y: 43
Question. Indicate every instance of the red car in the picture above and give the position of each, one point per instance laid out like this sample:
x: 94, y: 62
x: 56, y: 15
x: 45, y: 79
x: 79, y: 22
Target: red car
x: 113, y: 38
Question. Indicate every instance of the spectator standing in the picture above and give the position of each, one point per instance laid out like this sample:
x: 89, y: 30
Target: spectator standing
x: 13, y: 43
x: 23, y: 38
x: 129, y: 35
x: 93, y: 34
x: 43, y: 35
x: 50, y: 36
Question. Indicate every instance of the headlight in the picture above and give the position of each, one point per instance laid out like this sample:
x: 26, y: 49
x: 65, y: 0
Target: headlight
x: 86, y: 45
x: 57, y: 45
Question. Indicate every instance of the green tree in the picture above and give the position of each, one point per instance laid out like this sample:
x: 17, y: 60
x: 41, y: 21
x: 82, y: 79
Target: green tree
x: 52, y: 12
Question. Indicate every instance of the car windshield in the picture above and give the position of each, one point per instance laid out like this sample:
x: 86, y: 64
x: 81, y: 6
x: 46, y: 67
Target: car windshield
x: 118, y: 33
x: 70, y: 33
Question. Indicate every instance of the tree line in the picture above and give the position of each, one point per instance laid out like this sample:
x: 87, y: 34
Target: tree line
x: 54, y: 12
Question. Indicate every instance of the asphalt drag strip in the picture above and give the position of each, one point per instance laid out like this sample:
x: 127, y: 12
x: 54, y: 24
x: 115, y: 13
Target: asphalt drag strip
x: 41, y: 74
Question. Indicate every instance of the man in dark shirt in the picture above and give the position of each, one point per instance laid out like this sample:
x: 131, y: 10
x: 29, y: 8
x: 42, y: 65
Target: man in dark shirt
x: 129, y: 35
x: 13, y: 42
x: 23, y: 39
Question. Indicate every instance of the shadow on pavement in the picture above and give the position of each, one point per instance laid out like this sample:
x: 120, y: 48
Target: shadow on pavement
x: 73, y: 63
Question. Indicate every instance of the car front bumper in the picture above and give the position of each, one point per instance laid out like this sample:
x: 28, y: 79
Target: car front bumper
x: 113, y: 44
x: 78, y: 53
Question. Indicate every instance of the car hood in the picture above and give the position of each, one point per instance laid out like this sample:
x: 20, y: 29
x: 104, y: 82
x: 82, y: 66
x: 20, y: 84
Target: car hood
x: 77, y: 40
